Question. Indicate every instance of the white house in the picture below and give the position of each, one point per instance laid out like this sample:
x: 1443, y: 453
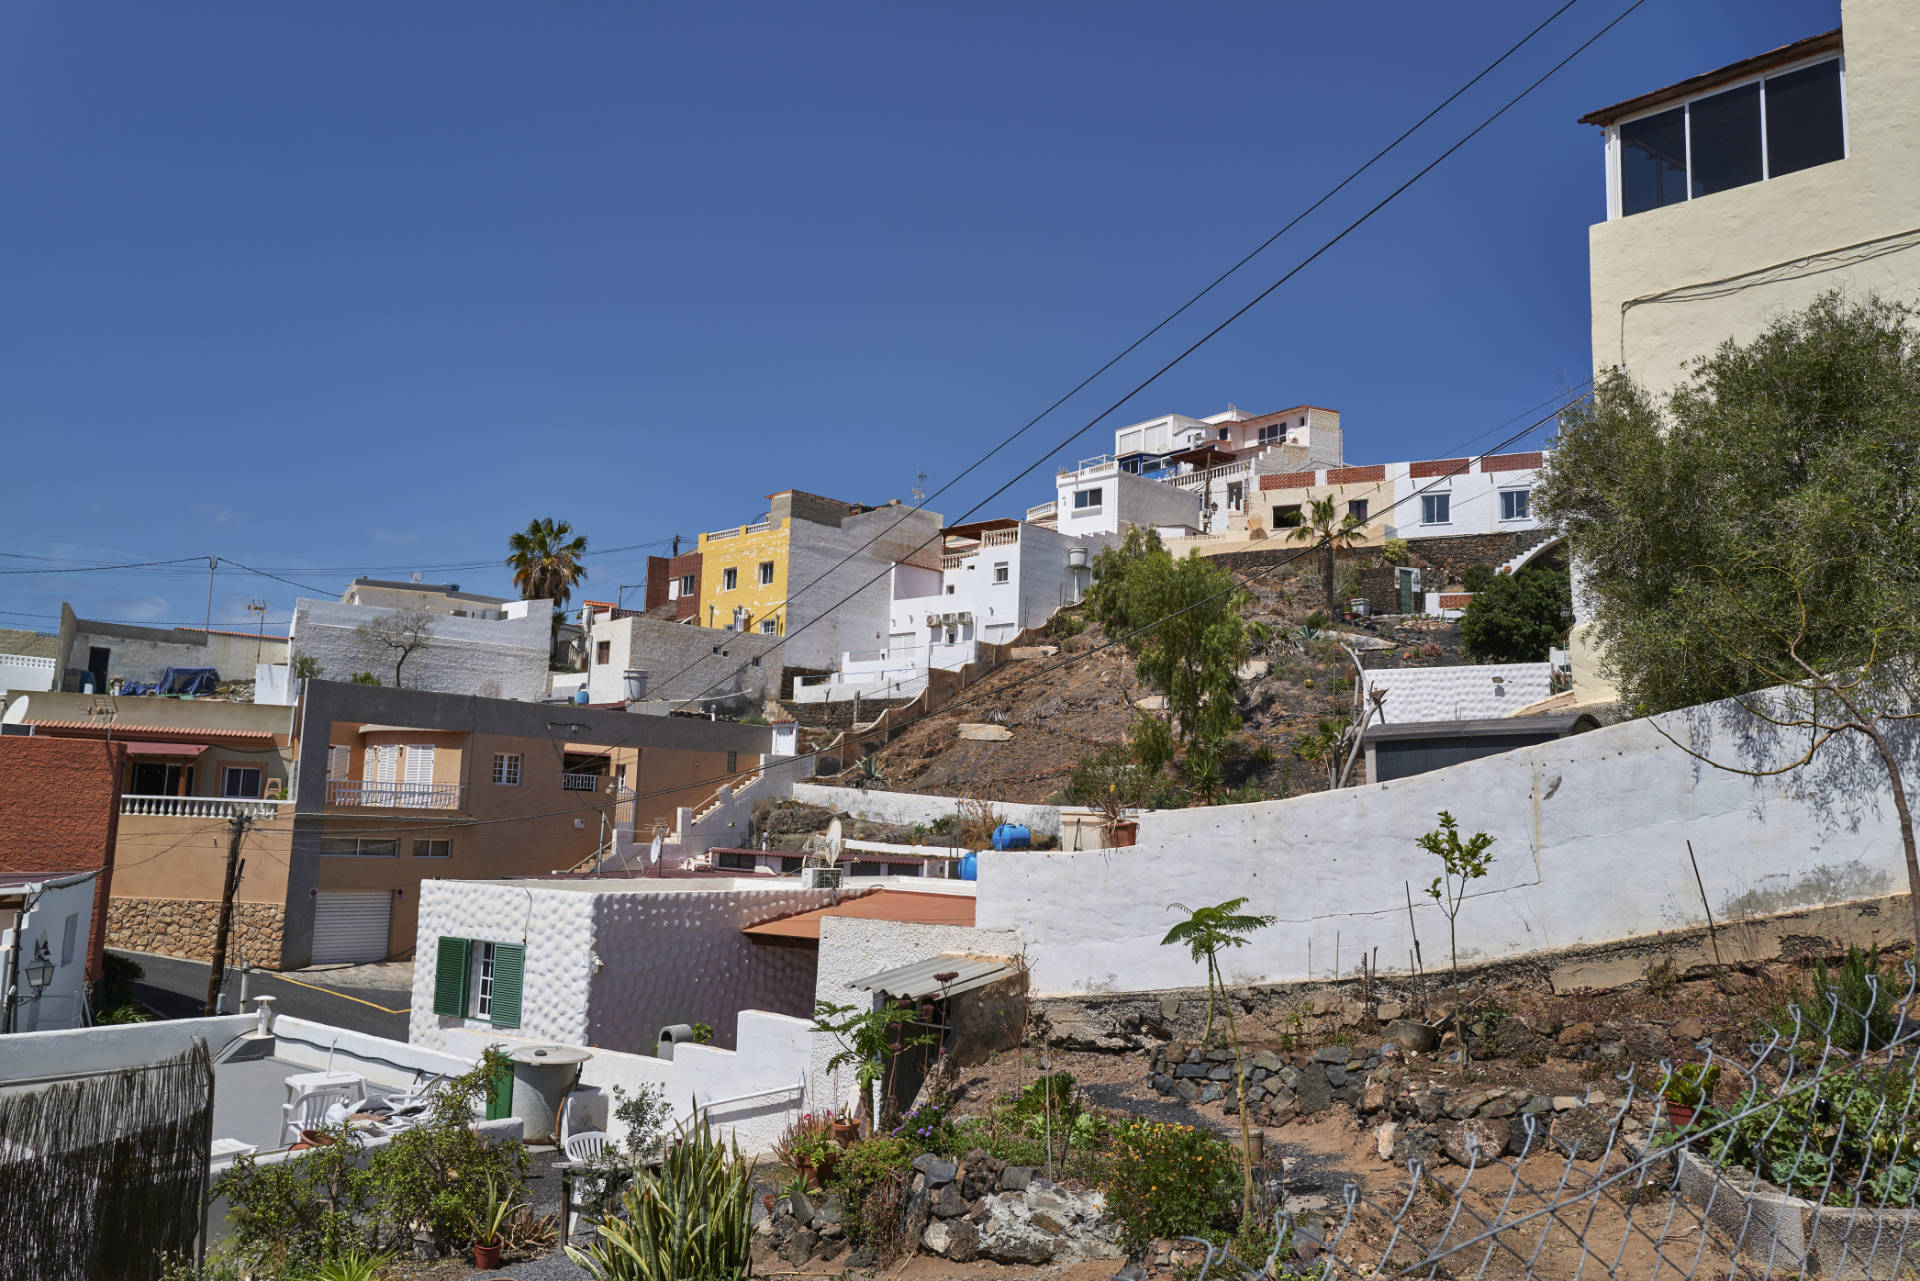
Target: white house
x: 503, y: 657
x: 1437, y: 498
x: 43, y: 951
x: 1101, y: 497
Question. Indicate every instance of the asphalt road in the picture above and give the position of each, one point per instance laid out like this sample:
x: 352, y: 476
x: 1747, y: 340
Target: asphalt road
x: 177, y: 989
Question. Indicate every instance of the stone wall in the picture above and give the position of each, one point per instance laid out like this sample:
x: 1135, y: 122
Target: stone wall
x: 185, y: 927
x: 1460, y: 552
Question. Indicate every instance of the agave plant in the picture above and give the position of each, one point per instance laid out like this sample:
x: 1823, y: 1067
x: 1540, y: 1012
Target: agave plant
x: 352, y: 1265
x: 690, y: 1220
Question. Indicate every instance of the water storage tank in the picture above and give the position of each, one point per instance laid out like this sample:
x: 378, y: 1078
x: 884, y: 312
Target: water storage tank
x: 580, y: 696
x: 1076, y: 558
x: 636, y: 684
x: 1012, y: 836
x: 969, y: 866
x: 542, y: 1075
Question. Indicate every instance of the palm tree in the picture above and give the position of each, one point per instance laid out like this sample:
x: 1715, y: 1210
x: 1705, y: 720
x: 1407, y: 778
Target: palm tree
x: 546, y: 563
x: 1321, y: 526
x: 1207, y: 932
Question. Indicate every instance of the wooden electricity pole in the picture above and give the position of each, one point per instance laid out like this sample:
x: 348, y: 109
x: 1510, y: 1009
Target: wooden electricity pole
x: 238, y: 826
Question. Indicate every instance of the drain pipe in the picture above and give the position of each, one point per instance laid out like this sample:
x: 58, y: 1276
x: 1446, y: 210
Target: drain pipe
x: 13, y: 966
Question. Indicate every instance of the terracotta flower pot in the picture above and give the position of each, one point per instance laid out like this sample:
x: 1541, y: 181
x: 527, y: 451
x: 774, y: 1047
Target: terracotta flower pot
x: 485, y: 1257
x: 846, y: 1133
x: 1123, y: 833
x: 1680, y: 1115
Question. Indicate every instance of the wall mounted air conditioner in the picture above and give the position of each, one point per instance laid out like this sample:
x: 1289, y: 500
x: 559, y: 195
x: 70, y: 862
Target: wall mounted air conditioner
x: 966, y: 616
x: 948, y: 620
x: 820, y: 878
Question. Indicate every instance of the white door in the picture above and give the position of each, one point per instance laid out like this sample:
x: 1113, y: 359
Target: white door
x: 419, y: 789
x: 350, y: 926
x: 386, y: 775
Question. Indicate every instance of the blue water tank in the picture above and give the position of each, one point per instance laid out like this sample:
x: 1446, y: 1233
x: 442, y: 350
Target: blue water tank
x: 969, y: 866
x: 580, y: 696
x: 1012, y: 836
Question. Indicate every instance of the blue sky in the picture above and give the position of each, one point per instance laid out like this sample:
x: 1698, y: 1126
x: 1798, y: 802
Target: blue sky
x: 355, y: 287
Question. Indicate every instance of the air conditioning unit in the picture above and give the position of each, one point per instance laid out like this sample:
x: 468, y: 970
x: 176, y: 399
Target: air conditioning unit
x: 966, y: 616
x: 948, y: 620
x: 820, y: 878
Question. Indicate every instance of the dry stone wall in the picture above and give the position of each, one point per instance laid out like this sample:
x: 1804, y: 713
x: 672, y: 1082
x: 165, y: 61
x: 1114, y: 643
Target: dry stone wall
x: 185, y: 927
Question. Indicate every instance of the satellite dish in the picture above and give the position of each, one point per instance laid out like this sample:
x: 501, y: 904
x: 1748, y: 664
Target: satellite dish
x: 832, y: 843
x: 653, y: 851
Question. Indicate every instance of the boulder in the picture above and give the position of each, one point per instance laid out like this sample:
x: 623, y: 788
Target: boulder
x: 937, y: 1170
x: 1268, y: 1061
x: 1015, y: 1178
x: 1384, y: 1138
x: 949, y: 1202
x: 1412, y: 1036
x: 1313, y: 1094
x: 1461, y: 1140
x: 1582, y: 1133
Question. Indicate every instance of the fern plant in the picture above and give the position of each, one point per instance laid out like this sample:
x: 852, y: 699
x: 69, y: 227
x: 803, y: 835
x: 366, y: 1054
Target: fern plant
x: 690, y: 1221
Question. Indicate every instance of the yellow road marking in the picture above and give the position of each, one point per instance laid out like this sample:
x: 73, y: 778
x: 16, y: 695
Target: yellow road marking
x: 342, y: 995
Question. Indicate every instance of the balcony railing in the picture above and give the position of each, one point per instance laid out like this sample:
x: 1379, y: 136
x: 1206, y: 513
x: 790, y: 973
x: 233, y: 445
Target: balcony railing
x: 580, y: 782
x: 1000, y: 538
x: 365, y: 795
x: 201, y: 807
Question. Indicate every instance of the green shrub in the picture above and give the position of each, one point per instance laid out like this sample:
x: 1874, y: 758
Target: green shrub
x: 864, y: 1167
x: 928, y: 1127
x: 435, y: 1176
x: 1820, y: 1138
x: 292, y: 1216
x: 1864, y: 1014
x: 364, y: 678
x: 1477, y: 577
x: 1517, y: 617
x: 1170, y: 1181
x: 1064, y: 624
x: 1394, y: 550
x: 118, y: 975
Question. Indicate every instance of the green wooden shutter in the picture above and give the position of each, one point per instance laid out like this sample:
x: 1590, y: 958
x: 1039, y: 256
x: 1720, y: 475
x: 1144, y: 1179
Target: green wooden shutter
x: 509, y: 959
x: 450, y: 978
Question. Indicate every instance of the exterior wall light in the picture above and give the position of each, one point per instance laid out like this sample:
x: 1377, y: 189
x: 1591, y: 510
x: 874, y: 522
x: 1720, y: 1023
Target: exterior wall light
x: 40, y: 972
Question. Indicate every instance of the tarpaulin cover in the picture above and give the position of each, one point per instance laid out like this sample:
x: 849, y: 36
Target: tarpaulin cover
x: 178, y: 680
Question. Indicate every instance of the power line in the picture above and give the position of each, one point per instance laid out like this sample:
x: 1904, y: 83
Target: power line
x: 1207, y: 337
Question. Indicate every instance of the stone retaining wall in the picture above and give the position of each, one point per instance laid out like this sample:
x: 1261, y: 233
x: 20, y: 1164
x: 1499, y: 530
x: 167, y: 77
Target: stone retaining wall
x: 185, y: 927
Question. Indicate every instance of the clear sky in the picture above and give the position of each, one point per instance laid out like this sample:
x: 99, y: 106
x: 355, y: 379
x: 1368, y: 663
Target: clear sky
x: 352, y: 287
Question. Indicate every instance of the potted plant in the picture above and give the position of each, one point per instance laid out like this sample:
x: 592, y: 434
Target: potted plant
x: 503, y: 1201
x: 846, y: 1130
x: 814, y: 1156
x: 1687, y: 1091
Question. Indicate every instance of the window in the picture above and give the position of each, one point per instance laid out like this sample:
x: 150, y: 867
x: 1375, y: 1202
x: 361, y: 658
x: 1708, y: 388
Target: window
x: 903, y: 869
x: 339, y: 761
x: 474, y: 978
x: 766, y: 573
x: 69, y: 934
x: 768, y: 627
x: 736, y: 862
x: 733, y: 762
x: 1086, y: 499
x: 789, y: 865
x: 506, y: 768
x: 433, y: 849
x: 240, y: 781
x: 1436, y: 509
x: 1357, y: 508
x: 729, y: 579
x: 1000, y: 571
x: 1732, y: 138
x: 686, y: 585
x: 602, y: 653
x: 867, y: 869
x: 1514, y: 503
x: 1287, y: 517
x: 358, y: 847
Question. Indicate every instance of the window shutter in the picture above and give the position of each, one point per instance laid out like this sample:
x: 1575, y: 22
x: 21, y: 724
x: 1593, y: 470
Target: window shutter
x: 450, y: 978
x: 509, y: 960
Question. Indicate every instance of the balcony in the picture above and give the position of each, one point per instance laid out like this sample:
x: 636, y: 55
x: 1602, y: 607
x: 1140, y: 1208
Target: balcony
x: 201, y: 807
x: 359, y: 794
x: 581, y: 782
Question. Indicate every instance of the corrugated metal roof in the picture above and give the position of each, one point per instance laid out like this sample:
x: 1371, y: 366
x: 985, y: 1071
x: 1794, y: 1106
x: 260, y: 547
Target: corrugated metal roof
x: 910, y: 982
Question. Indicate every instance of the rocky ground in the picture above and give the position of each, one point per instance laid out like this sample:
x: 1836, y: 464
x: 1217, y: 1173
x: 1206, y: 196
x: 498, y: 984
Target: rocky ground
x: 1059, y: 710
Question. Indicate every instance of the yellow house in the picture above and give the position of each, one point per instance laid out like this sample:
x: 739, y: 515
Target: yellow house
x: 744, y: 571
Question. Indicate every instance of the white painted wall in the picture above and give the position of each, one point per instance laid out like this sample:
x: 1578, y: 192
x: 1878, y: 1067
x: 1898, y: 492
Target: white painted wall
x: 1591, y: 847
x: 773, y: 1056
x: 494, y: 658
x: 1460, y: 693
x: 680, y: 661
x: 909, y: 807
x: 555, y: 926
x: 34, y: 1056
x: 60, y: 914
x: 1473, y: 502
x: 25, y: 672
x: 273, y: 684
x: 381, y: 1061
x: 1040, y: 580
x: 1126, y: 500
x: 852, y: 948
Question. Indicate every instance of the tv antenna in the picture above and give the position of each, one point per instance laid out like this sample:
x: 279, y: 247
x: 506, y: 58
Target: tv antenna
x: 920, y: 480
x: 258, y: 606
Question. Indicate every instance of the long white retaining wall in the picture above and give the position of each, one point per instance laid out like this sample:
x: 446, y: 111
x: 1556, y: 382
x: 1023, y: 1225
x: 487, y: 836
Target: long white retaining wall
x: 71, y: 1052
x: 906, y: 807
x: 1591, y: 832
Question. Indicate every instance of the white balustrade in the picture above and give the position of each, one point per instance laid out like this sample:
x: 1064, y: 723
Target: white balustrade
x: 200, y: 807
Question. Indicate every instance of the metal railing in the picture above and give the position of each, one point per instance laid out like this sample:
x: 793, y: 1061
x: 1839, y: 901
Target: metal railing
x: 361, y: 794
x: 580, y: 782
x: 1826, y: 1106
x: 200, y: 807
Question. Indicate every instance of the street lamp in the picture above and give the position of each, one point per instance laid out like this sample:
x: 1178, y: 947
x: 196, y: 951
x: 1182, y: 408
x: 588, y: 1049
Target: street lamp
x: 40, y: 972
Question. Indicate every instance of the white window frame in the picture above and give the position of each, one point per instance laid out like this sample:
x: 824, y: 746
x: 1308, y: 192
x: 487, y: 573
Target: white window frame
x: 1525, y: 494
x: 1616, y: 187
x: 506, y: 769
x: 766, y: 573
x: 730, y: 579
x: 259, y: 782
x: 1002, y: 572
x: 1427, y: 507
x: 1089, y: 500
x: 687, y: 587
x: 769, y: 626
x: 480, y: 991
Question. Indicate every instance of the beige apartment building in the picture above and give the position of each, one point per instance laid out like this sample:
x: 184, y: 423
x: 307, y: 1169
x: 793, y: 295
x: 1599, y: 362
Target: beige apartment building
x: 360, y: 793
x: 1742, y: 194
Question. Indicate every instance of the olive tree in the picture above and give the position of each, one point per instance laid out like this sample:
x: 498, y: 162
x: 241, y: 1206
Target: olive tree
x: 1755, y: 535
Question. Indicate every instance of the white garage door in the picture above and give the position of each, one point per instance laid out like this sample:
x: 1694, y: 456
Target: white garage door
x: 351, y: 927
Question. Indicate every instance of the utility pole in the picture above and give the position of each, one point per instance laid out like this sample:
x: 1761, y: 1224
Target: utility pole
x: 212, y: 561
x: 238, y: 826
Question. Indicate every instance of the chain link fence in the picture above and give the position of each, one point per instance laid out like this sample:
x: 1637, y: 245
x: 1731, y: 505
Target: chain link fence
x: 1802, y: 1160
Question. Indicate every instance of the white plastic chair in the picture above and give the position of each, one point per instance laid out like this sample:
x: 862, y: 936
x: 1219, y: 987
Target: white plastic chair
x: 584, y: 1148
x: 309, y: 1111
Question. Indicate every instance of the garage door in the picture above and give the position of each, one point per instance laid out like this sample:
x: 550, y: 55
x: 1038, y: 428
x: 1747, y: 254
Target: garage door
x: 351, y: 927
